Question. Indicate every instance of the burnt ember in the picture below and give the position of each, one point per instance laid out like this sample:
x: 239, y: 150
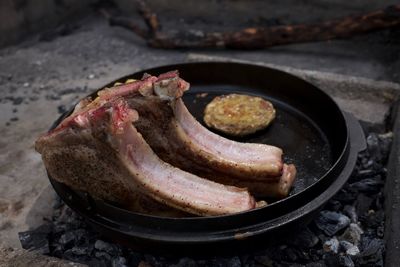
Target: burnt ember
x: 348, y: 232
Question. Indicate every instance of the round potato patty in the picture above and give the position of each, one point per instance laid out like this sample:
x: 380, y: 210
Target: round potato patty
x: 238, y: 115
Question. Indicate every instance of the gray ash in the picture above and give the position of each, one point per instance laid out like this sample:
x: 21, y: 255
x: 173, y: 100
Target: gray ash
x: 348, y: 232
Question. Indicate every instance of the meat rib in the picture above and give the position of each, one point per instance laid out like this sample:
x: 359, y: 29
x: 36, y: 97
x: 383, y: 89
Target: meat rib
x: 179, y: 139
x: 279, y: 189
x: 247, y: 160
x: 118, y: 164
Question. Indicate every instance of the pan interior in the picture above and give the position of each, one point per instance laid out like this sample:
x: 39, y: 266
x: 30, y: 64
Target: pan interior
x: 302, y: 141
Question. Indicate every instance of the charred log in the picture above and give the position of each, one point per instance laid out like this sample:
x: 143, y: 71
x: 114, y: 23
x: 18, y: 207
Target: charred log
x: 259, y: 37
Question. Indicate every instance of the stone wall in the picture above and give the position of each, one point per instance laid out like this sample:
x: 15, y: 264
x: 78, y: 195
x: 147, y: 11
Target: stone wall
x: 19, y: 18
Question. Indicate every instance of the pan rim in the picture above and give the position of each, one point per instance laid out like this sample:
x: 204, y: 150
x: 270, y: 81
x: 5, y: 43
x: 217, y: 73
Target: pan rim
x: 333, y: 167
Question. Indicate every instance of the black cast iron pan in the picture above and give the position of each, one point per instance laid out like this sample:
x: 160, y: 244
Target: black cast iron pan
x: 315, y: 135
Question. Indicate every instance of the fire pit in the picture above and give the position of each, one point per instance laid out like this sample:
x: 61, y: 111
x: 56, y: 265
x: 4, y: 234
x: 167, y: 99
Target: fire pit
x: 347, y: 232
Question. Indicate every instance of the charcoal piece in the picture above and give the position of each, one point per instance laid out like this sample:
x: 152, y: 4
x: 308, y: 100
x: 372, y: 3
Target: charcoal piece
x: 58, y: 203
x: 368, y: 186
x: 67, y: 239
x: 57, y: 251
x: 373, y: 146
x: 74, y: 221
x: 315, y: 254
x: 331, y: 222
x: 118, y: 262
x: 331, y: 245
x: 304, y: 239
x: 322, y: 237
x: 37, y: 239
x: 379, y: 146
x: 371, y: 252
x: 380, y: 231
x: 291, y: 254
x: 369, y: 127
x: 106, y: 247
x: 363, y: 204
x: 352, y: 234
x: 102, y: 255
x: 59, y: 228
x: 276, y: 253
x: 235, y: 262
x: 349, y: 248
x: 201, y: 263
x: 134, y: 258
x: 153, y: 261
x: 81, y: 236
x: 82, y: 250
x: 345, y: 196
x: 224, y: 262
x: 385, y: 141
x: 378, y: 204
x: 97, y: 262
x: 249, y: 260
x: 69, y: 255
x: 346, y: 261
x: 316, y: 264
x: 336, y: 260
x: 265, y: 260
x: 365, y: 173
x: 331, y: 260
x: 350, y: 211
x: 373, y: 219
x: 333, y: 205
x: 183, y: 262
x: 369, y: 233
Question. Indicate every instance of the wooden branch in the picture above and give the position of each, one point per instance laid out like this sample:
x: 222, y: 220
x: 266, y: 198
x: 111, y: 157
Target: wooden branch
x: 261, y: 37
x: 126, y: 23
x: 149, y: 17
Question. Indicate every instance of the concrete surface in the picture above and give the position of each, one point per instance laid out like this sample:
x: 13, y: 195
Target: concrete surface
x: 11, y: 257
x: 38, y: 80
